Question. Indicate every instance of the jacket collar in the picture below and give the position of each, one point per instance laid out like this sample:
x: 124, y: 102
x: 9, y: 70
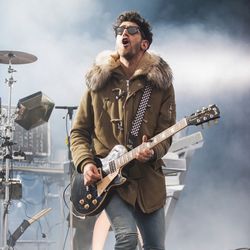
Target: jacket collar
x: 107, y: 64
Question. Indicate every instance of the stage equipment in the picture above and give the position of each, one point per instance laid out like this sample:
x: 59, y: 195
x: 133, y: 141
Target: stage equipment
x: 34, y: 110
x: 32, y: 145
x: 69, y: 116
x: 24, y: 225
x: 15, y: 189
x: 16, y: 57
x: 7, y: 127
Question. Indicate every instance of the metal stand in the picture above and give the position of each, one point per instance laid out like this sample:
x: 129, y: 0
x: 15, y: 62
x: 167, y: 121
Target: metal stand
x: 10, y: 58
x: 8, y: 136
x: 71, y: 167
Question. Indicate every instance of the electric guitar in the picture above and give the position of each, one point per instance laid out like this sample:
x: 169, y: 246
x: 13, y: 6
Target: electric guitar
x: 91, y: 200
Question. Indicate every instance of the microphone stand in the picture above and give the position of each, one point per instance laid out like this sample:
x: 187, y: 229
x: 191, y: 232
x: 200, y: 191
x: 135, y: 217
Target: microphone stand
x: 69, y: 114
x: 70, y: 110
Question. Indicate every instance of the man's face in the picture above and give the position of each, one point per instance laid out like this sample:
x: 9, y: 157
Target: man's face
x: 128, y: 40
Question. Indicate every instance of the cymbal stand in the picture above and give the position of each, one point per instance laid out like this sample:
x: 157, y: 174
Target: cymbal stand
x: 8, y: 136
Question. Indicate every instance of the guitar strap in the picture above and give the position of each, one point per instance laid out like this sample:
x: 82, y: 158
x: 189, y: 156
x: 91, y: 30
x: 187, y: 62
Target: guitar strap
x: 136, y: 123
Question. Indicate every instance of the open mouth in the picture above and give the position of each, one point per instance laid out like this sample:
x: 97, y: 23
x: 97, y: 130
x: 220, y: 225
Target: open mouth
x: 125, y: 41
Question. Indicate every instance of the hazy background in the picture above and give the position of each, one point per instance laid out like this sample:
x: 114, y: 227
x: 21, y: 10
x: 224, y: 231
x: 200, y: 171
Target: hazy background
x: 207, y: 45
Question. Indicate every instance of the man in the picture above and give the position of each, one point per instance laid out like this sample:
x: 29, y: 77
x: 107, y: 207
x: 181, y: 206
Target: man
x: 104, y: 119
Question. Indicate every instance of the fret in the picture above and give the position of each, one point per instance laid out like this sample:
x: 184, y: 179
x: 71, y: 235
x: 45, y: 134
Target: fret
x: 117, y: 164
x: 168, y: 132
x: 125, y: 157
x: 130, y: 155
x: 122, y: 161
x: 155, y: 140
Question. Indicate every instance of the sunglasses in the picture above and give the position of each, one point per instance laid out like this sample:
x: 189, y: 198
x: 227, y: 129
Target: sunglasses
x: 132, y: 30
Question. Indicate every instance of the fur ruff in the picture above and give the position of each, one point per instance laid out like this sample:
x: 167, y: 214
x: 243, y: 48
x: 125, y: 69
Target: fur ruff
x: 152, y: 66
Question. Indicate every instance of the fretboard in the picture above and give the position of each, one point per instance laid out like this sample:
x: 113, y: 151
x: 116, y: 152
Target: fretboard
x: 131, y: 155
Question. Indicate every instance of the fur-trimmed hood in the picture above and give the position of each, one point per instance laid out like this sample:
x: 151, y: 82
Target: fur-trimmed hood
x: 151, y: 66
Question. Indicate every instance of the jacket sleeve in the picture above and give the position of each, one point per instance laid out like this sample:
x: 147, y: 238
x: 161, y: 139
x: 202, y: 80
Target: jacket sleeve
x: 81, y: 134
x: 167, y: 118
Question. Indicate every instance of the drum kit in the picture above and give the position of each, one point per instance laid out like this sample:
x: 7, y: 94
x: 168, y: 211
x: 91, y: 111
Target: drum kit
x: 31, y: 111
x: 7, y: 120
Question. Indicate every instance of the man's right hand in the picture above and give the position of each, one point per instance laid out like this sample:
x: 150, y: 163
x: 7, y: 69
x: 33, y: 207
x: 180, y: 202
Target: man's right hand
x: 90, y: 174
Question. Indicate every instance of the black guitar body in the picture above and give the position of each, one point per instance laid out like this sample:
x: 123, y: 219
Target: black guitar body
x: 85, y: 198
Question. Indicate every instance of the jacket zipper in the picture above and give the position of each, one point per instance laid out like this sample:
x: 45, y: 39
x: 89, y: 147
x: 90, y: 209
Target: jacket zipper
x: 127, y: 86
x: 125, y: 118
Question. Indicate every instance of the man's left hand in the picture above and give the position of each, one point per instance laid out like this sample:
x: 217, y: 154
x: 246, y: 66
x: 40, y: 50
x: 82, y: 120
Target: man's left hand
x: 146, y: 153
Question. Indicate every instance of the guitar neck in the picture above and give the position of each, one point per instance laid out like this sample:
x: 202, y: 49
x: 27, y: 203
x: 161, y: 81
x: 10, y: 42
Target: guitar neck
x: 131, y: 155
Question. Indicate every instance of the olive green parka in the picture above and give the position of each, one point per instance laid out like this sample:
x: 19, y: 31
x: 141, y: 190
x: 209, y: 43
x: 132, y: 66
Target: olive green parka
x: 104, y: 118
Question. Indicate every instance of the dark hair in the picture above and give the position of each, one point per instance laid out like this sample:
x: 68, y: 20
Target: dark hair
x: 135, y: 17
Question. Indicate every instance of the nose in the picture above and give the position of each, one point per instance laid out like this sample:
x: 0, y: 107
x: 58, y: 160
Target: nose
x: 125, y: 31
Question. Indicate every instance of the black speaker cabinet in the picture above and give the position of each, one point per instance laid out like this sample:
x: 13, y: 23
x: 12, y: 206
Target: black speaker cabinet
x: 34, y: 110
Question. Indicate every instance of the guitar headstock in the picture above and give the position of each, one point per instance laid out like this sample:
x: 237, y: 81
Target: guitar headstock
x: 204, y: 115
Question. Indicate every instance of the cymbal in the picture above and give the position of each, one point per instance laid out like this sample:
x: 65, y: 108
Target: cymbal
x: 16, y: 57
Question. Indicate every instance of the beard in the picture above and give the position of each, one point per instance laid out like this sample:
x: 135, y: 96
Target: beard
x: 129, y: 52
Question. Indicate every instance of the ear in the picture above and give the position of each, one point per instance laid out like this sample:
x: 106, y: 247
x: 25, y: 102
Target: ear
x: 144, y: 44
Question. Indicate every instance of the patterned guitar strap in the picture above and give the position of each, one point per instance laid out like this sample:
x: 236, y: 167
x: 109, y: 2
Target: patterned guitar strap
x: 136, y: 123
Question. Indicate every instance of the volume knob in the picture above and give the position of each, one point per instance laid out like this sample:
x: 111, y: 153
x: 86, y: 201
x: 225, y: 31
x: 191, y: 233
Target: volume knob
x: 89, y: 196
x: 94, y: 202
x: 86, y: 206
x: 81, y: 201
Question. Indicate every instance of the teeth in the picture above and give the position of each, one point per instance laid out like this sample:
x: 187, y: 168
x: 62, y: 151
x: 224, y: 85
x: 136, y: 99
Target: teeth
x: 125, y: 41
